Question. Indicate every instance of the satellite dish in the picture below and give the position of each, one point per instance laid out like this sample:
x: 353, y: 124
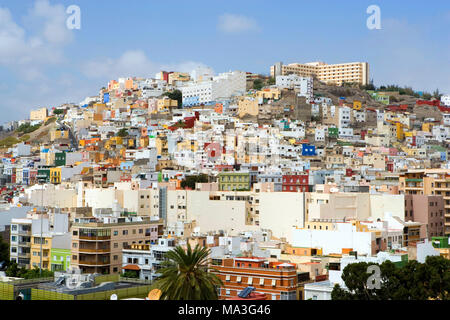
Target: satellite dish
x: 155, y: 294
x: 113, y: 296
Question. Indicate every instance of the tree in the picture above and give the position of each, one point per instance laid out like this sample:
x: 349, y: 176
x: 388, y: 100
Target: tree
x: 122, y: 132
x: 185, y: 275
x: 4, y: 251
x: 175, y: 95
x: 437, y: 94
x: 271, y: 81
x: 14, y: 271
x: 190, y: 181
x: 58, y: 111
x: 258, y: 84
x: 413, y: 281
x: 130, y: 274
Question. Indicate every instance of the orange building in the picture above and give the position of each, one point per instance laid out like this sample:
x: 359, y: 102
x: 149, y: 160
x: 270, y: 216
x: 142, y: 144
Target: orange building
x: 276, y: 280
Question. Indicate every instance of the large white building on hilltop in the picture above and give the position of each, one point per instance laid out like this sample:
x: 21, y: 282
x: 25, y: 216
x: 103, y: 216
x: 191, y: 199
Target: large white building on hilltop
x: 353, y: 72
x: 221, y: 87
x: 445, y: 100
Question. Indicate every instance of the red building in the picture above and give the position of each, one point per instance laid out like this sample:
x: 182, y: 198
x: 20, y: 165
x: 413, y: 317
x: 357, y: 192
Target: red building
x: 277, y: 281
x: 296, y: 183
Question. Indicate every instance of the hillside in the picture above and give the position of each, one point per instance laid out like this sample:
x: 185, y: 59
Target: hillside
x: 40, y: 135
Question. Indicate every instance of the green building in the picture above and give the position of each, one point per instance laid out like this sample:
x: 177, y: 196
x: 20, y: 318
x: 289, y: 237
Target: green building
x: 60, y: 259
x: 234, y: 181
x: 440, y: 242
x: 60, y: 159
x: 384, y: 99
x: 333, y: 132
x: 43, y: 175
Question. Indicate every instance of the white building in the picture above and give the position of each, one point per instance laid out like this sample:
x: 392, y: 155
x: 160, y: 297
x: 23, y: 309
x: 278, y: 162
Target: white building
x: 221, y: 87
x: 304, y: 85
x: 445, y: 100
x: 146, y: 259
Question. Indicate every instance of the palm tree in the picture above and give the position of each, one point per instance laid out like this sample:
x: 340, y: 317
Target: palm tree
x: 185, y: 275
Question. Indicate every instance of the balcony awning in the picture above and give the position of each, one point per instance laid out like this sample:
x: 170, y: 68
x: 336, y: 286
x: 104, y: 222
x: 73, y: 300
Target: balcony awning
x: 132, y: 267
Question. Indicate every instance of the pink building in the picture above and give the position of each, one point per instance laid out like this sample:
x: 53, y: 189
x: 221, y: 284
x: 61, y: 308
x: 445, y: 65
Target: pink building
x: 427, y: 209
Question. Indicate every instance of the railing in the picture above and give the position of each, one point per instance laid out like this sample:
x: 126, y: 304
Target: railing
x: 84, y: 250
x: 24, y: 255
x: 136, y: 280
x: 94, y: 238
x: 29, y: 281
x: 93, y: 263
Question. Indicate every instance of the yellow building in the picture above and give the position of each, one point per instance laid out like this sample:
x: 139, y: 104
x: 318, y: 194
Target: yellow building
x: 178, y: 76
x: 39, y: 114
x: 269, y: 93
x: 166, y: 104
x: 188, y: 145
x: 427, y: 126
x: 36, y: 251
x: 113, y: 143
x: 248, y: 106
x: 357, y: 105
x: 55, y: 175
x: 59, y: 133
x: 353, y: 72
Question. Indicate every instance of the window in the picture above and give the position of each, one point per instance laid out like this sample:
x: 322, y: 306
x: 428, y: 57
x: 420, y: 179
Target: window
x: 124, y: 232
x: 116, y: 232
x: 261, y: 281
x: 250, y: 280
x: 238, y: 279
x: 274, y: 283
x: 116, y: 245
x: 74, y: 257
x: 227, y: 278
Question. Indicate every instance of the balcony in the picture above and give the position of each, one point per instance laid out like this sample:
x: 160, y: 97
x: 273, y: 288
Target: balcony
x: 24, y: 255
x: 95, y: 238
x: 94, y: 251
x: 93, y: 263
x: 23, y: 232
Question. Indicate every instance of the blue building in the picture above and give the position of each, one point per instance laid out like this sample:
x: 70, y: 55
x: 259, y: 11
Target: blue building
x: 308, y: 150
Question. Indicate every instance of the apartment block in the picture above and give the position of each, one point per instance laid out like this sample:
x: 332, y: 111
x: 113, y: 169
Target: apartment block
x: 278, y: 281
x: 426, y: 209
x: 20, y: 242
x: 429, y: 182
x: 97, y: 245
x: 145, y: 259
x: 353, y: 72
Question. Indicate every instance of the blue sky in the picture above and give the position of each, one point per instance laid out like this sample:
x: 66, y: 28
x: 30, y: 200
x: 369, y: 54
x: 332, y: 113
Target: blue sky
x: 42, y: 63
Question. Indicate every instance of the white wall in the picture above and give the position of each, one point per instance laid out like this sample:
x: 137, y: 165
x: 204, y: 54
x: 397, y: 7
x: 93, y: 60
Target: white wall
x: 333, y: 241
x: 280, y: 211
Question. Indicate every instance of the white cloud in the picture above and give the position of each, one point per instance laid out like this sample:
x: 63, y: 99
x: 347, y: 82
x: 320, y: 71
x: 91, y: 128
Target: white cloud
x: 234, y: 23
x: 52, y: 20
x: 135, y: 63
x: 28, y: 54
